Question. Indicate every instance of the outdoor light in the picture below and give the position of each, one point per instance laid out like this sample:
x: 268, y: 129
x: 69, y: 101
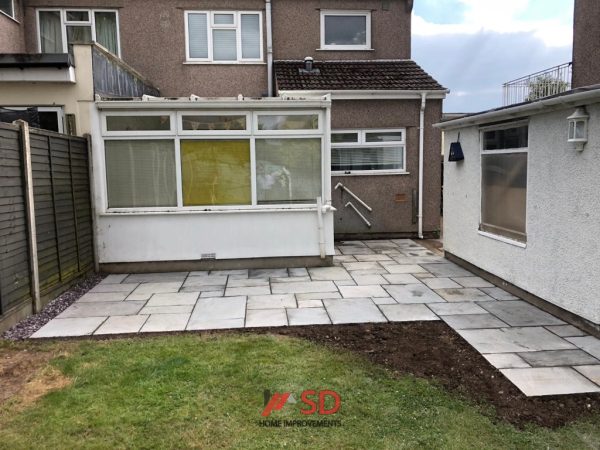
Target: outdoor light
x: 578, y: 128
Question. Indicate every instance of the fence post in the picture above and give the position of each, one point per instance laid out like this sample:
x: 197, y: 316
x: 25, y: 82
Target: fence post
x: 29, y: 200
x: 91, y: 175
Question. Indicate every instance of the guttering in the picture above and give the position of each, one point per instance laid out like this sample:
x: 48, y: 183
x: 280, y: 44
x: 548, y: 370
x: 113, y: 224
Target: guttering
x: 567, y: 100
x: 421, y: 152
x: 269, y: 48
x: 369, y: 94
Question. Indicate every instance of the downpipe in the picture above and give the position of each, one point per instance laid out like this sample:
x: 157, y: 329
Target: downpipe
x: 268, y: 14
x: 421, y: 164
x: 322, y: 209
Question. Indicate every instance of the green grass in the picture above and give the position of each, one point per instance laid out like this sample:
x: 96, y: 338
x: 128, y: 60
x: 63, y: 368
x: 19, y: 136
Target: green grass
x: 207, y: 392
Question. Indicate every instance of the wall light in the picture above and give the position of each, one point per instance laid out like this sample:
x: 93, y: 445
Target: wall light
x: 578, y: 128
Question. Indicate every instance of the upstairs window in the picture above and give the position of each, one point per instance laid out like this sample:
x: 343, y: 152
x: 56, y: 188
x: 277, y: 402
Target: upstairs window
x: 59, y: 29
x: 7, y: 7
x: 345, y: 30
x: 223, y: 36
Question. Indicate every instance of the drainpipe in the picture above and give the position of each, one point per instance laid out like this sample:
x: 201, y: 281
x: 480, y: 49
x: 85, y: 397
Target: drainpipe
x: 421, y: 151
x: 269, y: 48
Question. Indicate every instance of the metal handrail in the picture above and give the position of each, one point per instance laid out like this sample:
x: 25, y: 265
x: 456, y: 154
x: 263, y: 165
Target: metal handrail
x: 353, y: 195
x: 359, y: 214
x: 544, y: 83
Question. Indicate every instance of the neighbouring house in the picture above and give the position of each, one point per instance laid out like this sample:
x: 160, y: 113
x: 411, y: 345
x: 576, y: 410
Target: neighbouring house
x: 522, y: 208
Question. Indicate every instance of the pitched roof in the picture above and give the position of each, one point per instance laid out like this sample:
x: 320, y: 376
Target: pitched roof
x: 404, y: 75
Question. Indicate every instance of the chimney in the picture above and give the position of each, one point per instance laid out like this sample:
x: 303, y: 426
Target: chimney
x: 308, y: 63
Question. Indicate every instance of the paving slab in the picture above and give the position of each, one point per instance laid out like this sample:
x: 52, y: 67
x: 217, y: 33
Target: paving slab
x: 125, y: 288
x: 267, y: 273
x: 253, y: 290
x: 308, y: 316
x: 404, y: 268
x: 165, y: 277
x: 353, y: 250
x: 413, y: 293
x: 566, y: 330
x: 102, y: 309
x: 310, y: 304
x: 440, y: 283
x: 203, y: 289
x: 369, y: 265
x: 345, y: 283
x: 446, y: 269
x: 453, y: 309
x: 70, y: 327
x: 423, y: 252
x: 369, y: 280
x: 160, y: 323
x: 588, y: 343
x: 344, y: 258
x: 353, y: 310
x: 403, y: 259
x: 506, y: 361
x: 558, y: 358
x: 400, y: 278
x: 384, y: 301
x: 95, y: 297
x: 304, y: 287
x: 362, y: 291
x: 275, y: 301
x: 371, y: 258
x: 499, y: 294
x: 266, y: 318
x: 143, y: 291
x: 318, y: 296
x: 233, y: 273
x: 297, y: 271
x: 215, y: 293
x: 121, y: 325
x: 216, y: 324
x: 381, y: 244
x: 519, y: 313
x: 218, y: 312
x: 114, y: 278
x: 329, y: 273
x: 173, y: 299
x: 205, y: 280
x: 473, y: 321
x: 408, y: 313
x: 179, y: 309
x: 542, y: 381
x: 473, y: 282
x: 247, y: 282
x: 290, y: 279
x: 514, y: 340
x: 590, y: 372
x: 463, y: 295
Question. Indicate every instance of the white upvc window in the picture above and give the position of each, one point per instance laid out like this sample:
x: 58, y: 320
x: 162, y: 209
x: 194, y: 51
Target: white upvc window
x: 50, y: 117
x: 504, y: 151
x: 223, y: 37
x: 59, y: 29
x: 345, y: 30
x: 8, y: 7
x: 369, y: 152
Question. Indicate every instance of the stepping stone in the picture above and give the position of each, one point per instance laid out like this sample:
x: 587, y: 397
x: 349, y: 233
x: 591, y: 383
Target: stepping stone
x: 440, y: 283
x: 308, y: 316
x: 591, y: 372
x: 266, y: 318
x: 473, y: 282
x: 121, y: 325
x: 158, y: 323
x: 318, y: 296
x: 179, y: 309
x: 404, y: 268
x: 114, y: 278
x: 473, y: 321
x: 84, y: 326
x: 271, y: 301
x: 102, y: 309
x: 463, y: 295
x: 506, y: 361
x: 566, y: 330
x: 413, y: 293
x: 304, y: 287
x: 519, y: 314
x: 173, y: 299
x: 400, y: 278
x: 499, y: 294
x: 247, y: 282
x: 408, y: 313
x: 549, y: 381
x: 449, y: 270
x: 329, y: 273
x: 93, y: 297
x: 514, y: 340
x: 454, y: 309
x: 219, y: 312
x: 369, y: 280
x: 267, y: 273
x: 353, y: 310
x: 588, y: 343
x: 362, y: 291
x: 253, y: 290
x: 559, y: 358
x: 125, y: 288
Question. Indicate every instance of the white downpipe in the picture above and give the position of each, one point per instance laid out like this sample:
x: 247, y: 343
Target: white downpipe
x: 269, y: 48
x: 321, y: 230
x: 421, y: 152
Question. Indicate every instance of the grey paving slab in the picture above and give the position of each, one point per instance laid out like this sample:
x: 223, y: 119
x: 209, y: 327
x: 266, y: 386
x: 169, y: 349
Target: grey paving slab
x: 423, y: 276
x: 519, y: 313
x: 404, y: 268
x: 232, y: 274
x: 566, y: 330
x: 95, y: 297
x: 215, y: 293
x: 403, y: 259
x: 463, y: 295
x: 366, y: 280
x: 143, y: 291
x: 217, y: 324
x: 121, y: 325
x: 559, y: 358
x: 205, y: 280
x: 253, y: 290
x: 159, y: 323
x: 199, y: 273
x: 423, y: 252
x: 318, y: 295
x: 266, y: 318
x: 179, y: 309
x: 540, y: 381
x: 514, y: 340
x: 344, y: 258
x: 352, y: 250
x: 446, y: 270
x: 308, y: 316
x: 499, y: 294
x: 371, y: 258
x: 114, y: 278
x: 355, y: 243
x: 506, y: 361
x: 247, y: 282
x: 384, y: 301
x: 267, y: 273
x: 310, y: 304
x: 173, y: 299
x: 473, y: 321
x: 274, y: 301
x: 362, y: 291
x: 453, y: 309
x: 353, y: 310
x: 102, y: 309
x: 588, y: 343
x: 473, y: 282
x: 369, y: 265
x: 125, y: 288
x: 156, y: 277
x: 440, y: 283
x: 361, y: 272
x: 290, y: 279
x: 218, y: 312
x: 345, y: 283
x: 304, y: 287
x: 204, y: 289
x: 69, y: 327
x: 408, y: 313
x: 381, y: 245
x: 297, y: 272
x: 590, y: 372
x: 413, y: 293
x: 401, y: 278
x: 329, y: 273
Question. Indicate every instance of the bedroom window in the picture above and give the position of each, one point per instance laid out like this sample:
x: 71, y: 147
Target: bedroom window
x: 345, y: 30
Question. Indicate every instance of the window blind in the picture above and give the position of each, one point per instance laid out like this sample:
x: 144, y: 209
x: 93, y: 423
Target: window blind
x: 224, y: 45
x: 198, y: 35
x: 250, y: 24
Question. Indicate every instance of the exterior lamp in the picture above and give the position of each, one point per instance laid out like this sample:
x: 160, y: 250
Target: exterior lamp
x: 578, y: 128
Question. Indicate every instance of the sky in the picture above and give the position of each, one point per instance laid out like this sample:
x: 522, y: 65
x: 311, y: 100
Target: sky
x: 472, y: 47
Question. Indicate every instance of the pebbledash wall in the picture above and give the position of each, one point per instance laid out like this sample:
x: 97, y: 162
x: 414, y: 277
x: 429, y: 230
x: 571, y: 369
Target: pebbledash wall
x: 560, y: 261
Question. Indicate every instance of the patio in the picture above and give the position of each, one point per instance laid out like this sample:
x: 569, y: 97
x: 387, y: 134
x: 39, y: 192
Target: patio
x: 372, y: 281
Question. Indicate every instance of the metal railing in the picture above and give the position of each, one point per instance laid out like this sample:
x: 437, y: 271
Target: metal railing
x: 538, y: 85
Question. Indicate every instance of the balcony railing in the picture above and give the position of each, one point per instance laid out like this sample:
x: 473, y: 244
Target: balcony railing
x: 538, y: 85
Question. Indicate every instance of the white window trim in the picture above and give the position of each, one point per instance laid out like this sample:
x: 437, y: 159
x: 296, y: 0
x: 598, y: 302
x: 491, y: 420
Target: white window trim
x: 57, y: 109
x: 64, y: 23
x: 13, y: 11
x: 328, y: 12
x: 140, y: 133
x: 211, y: 26
x: 191, y: 112
x: 280, y: 133
x: 362, y: 143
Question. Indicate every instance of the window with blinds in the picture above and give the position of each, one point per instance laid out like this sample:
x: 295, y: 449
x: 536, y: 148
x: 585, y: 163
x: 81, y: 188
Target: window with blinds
x: 223, y: 37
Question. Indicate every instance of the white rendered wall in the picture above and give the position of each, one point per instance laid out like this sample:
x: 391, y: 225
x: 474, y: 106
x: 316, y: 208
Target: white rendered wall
x: 561, y: 262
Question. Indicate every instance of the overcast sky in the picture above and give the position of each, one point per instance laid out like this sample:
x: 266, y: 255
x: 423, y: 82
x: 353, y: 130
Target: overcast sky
x: 473, y: 46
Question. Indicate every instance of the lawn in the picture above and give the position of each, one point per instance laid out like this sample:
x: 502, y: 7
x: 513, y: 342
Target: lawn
x: 207, y: 392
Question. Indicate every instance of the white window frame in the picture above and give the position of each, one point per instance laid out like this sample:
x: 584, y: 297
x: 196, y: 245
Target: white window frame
x: 330, y: 12
x: 482, y: 130
x: 362, y: 143
x: 212, y: 26
x: 64, y: 23
x: 258, y: 132
x: 57, y: 109
x: 170, y: 132
x: 183, y: 132
x: 13, y: 11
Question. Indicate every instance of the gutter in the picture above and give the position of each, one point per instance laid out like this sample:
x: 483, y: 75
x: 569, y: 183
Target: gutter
x: 369, y: 94
x: 269, y: 20
x: 421, y: 152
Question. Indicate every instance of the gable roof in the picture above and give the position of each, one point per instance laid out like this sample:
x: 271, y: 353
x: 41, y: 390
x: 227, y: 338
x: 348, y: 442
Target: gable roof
x: 401, y: 75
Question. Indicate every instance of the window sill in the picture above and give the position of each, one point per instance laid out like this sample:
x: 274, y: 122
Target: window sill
x: 224, y: 63
x: 345, y: 50
x: 222, y: 210
x: 503, y: 239
x: 369, y: 173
